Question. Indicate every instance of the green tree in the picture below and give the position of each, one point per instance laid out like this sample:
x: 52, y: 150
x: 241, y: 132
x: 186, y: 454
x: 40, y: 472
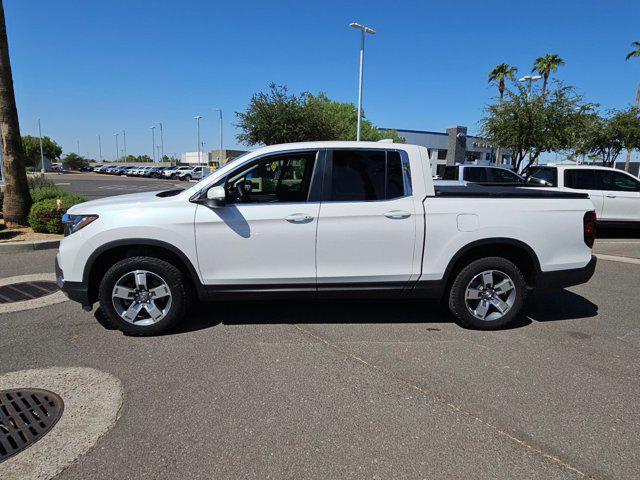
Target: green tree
x: 73, y: 161
x: 50, y: 148
x: 143, y: 159
x: 500, y: 74
x: 529, y: 127
x: 604, y: 137
x: 278, y: 116
x: 545, y: 65
x: 635, y: 53
x: 17, y: 200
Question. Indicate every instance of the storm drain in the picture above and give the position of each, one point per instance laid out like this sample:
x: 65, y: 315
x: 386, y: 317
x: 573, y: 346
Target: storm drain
x: 19, y: 292
x: 26, y: 415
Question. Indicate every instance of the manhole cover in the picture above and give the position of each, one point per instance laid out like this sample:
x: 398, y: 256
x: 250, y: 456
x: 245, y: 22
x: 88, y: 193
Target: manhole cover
x: 18, y: 292
x: 26, y: 415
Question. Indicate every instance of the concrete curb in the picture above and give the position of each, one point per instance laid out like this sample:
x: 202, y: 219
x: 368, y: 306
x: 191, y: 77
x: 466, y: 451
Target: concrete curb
x: 17, y: 247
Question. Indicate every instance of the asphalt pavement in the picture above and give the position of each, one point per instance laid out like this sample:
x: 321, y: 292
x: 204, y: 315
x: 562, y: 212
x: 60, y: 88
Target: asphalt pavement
x: 352, y: 389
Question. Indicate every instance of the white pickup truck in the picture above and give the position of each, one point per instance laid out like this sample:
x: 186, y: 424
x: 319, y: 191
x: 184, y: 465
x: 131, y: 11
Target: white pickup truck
x: 324, y: 219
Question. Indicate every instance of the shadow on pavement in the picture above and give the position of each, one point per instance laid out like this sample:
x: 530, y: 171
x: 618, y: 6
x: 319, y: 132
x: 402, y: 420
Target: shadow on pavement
x: 541, y: 307
x: 559, y: 305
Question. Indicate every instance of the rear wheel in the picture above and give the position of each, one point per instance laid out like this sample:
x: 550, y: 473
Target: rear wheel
x: 187, y: 178
x: 143, y: 296
x: 487, y: 294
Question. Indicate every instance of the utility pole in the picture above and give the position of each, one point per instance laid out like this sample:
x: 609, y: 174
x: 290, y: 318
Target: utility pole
x: 153, y: 142
x: 161, y: 142
x: 221, y: 157
x: 363, y: 31
x: 78, y: 147
x: 117, y: 147
x: 197, y: 118
x: 124, y: 140
x: 41, y: 149
x: 100, y: 148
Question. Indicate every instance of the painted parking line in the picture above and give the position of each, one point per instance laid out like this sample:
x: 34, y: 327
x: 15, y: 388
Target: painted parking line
x: 616, y: 258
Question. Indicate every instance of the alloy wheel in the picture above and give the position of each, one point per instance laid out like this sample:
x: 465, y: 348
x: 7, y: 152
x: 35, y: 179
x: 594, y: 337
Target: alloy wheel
x: 141, y: 297
x: 490, y: 295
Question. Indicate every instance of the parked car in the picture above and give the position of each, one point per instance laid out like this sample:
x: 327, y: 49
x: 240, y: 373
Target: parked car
x: 175, y: 172
x: 324, y: 219
x: 155, y: 172
x: 480, y: 174
x: 193, y: 173
x: 615, y: 193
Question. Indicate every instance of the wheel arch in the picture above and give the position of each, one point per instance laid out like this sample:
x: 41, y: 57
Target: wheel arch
x: 109, y: 253
x: 516, y: 251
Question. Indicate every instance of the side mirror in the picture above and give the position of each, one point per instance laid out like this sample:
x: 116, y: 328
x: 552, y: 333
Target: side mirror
x: 216, y: 196
x: 538, y: 181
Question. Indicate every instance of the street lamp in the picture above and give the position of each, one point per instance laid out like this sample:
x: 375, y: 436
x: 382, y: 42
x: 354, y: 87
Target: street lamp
x: 161, y: 142
x: 41, y: 149
x: 197, y: 118
x: 363, y: 30
x: 117, y: 147
x: 124, y: 140
x: 530, y: 79
x: 100, y: 148
x: 153, y: 142
x: 220, y: 158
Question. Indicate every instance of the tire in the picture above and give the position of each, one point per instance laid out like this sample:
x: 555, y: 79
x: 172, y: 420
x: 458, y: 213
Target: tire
x: 187, y: 178
x: 499, y: 309
x: 166, y: 296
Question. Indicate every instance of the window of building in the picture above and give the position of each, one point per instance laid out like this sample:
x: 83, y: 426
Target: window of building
x: 367, y: 175
x: 442, y: 154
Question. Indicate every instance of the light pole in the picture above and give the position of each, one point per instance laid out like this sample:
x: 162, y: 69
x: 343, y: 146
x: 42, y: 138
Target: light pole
x: 153, y: 142
x: 124, y: 140
x: 41, y: 149
x: 529, y: 79
x: 161, y: 142
x: 197, y: 118
x: 221, y: 157
x: 159, y: 157
x: 117, y: 147
x: 363, y: 30
x: 78, y: 147
x: 100, y: 147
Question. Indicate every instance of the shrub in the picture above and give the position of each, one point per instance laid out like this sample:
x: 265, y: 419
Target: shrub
x: 45, y: 217
x: 44, y: 193
x: 38, y: 180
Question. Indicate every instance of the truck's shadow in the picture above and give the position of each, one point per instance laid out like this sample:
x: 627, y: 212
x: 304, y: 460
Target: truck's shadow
x: 543, y: 307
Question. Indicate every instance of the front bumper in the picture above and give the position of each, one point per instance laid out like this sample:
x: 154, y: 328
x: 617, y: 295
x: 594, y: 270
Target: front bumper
x: 566, y: 278
x: 76, y: 291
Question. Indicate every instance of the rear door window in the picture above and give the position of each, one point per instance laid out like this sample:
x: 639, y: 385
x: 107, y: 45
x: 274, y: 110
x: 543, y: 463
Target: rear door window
x: 450, y: 173
x: 475, y: 174
x: 580, y: 179
x: 501, y: 175
x: 368, y: 175
x: 549, y: 175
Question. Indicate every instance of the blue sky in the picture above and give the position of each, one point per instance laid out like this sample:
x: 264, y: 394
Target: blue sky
x: 98, y: 67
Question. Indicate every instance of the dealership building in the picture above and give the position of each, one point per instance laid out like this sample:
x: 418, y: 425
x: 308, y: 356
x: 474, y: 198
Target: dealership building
x: 453, y: 146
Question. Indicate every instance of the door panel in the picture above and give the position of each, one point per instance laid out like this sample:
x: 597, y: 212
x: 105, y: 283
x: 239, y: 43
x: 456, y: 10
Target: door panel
x: 257, y: 243
x: 367, y: 226
x: 621, y: 195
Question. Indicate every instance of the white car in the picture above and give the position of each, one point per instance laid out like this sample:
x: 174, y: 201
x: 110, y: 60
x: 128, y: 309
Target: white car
x: 196, y: 173
x: 175, y: 172
x: 615, y: 193
x: 324, y: 219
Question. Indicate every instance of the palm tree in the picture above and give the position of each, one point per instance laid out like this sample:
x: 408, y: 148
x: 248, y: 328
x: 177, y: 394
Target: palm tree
x: 17, y: 200
x: 545, y: 65
x: 500, y: 73
x: 635, y: 53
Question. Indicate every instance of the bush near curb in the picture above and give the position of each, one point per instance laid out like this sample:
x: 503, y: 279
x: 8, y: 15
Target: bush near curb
x: 46, y: 216
x: 38, y: 180
x: 45, y: 193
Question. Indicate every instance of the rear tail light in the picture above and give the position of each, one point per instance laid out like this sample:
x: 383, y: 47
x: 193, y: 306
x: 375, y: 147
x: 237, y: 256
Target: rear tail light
x: 589, y: 228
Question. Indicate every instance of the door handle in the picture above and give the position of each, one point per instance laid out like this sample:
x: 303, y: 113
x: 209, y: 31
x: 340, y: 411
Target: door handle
x: 397, y: 214
x: 298, y: 218
x: 611, y: 196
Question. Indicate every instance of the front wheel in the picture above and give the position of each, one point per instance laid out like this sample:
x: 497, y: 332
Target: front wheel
x: 143, y: 296
x: 487, y: 294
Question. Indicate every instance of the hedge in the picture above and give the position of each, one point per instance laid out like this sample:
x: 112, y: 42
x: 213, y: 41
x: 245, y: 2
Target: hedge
x: 45, y: 217
x: 45, y: 193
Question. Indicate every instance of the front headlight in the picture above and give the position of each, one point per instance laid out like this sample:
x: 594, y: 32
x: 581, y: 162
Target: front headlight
x: 73, y: 223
